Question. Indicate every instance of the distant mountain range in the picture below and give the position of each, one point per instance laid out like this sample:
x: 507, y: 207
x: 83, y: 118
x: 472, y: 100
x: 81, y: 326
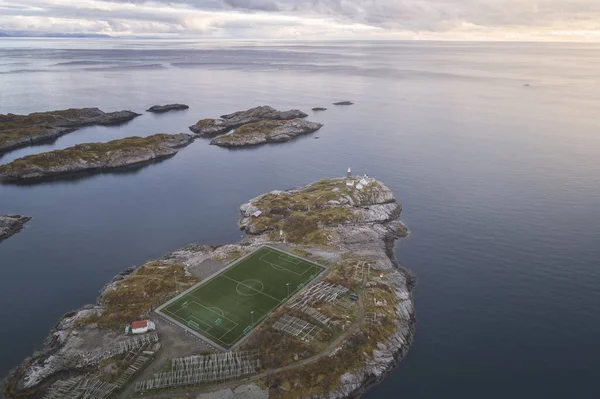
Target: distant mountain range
x: 58, y: 35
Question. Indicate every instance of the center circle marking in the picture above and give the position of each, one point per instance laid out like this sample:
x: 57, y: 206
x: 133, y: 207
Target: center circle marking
x: 249, y: 287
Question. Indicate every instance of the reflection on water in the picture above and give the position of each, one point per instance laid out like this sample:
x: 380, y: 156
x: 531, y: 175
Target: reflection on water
x: 83, y: 174
x: 500, y: 184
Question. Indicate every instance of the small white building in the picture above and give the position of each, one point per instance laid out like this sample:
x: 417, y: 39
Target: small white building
x: 142, y: 326
x: 364, y: 182
x: 350, y: 183
x: 257, y: 214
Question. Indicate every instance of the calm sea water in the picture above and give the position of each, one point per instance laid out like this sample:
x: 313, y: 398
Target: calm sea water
x: 500, y: 182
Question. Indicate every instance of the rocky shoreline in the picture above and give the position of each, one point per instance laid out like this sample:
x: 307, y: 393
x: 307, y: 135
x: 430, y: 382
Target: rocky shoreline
x: 11, y: 225
x: 342, y: 223
x: 23, y: 130
x: 269, y: 131
x: 94, y: 157
x: 213, y: 127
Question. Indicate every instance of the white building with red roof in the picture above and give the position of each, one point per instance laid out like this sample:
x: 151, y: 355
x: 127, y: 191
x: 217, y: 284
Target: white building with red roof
x: 142, y: 326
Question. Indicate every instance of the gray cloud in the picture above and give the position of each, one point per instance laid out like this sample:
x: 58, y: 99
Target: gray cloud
x: 417, y: 14
x: 387, y: 16
x: 256, y: 5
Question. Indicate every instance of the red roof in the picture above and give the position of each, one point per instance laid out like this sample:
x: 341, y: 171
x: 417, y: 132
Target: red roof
x: 139, y: 324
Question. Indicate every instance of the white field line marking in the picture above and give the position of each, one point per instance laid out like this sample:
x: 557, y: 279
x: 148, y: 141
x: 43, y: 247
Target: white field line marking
x: 226, y: 318
x: 174, y: 314
x: 228, y: 331
x: 177, y: 311
x: 289, y: 258
x: 252, y: 288
x: 191, y: 291
x: 201, y: 322
x: 276, y: 266
x: 217, y: 310
x: 267, y: 314
x: 209, y: 309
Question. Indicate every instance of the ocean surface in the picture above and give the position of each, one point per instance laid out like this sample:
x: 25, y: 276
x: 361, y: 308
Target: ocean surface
x: 493, y: 149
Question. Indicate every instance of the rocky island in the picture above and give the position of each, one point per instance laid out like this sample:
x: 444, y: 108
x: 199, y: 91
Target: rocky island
x: 347, y: 225
x: 213, y: 127
x: 160, y: 109
x: 94, y: 156
x: 23, y: 130
x: 269, y: 131
x: 317, y: 109
x: 11, y: 225
x: 344, y: 103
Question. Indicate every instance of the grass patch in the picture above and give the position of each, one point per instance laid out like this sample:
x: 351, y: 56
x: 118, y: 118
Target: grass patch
x: 88, y: 153
x: 204, y: 123
x: 221, y: 308
x: 263, y: 128
x: 303, y: 215
x: 15, y: 128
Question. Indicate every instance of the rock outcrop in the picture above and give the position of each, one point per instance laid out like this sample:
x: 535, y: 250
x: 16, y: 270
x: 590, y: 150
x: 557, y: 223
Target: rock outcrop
x: 160, y: 109
x: 213, y: 127
x: 344, y: 218
x: 23, y: 130
x: 269, y: 131
x: 344, y: 103
x: 95, y: 156
x: 11, y: 225
x: 339, y: 222
x: 316, y: 109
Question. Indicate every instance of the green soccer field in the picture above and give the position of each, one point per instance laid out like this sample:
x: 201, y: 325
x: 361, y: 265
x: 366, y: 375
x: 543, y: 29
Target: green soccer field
x: 228, y: 306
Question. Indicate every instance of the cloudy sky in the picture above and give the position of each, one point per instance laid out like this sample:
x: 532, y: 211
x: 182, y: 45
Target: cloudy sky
x: 557, y: 20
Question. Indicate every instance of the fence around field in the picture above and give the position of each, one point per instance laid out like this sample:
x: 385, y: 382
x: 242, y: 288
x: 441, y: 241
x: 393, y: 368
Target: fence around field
x: 193, y: 328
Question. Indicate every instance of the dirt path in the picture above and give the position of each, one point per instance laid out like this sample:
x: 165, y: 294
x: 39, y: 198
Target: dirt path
x: 232, y: 384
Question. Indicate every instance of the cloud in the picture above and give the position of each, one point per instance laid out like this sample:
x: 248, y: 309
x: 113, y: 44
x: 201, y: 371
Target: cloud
x: 429, y: 19
x: 256, y: 5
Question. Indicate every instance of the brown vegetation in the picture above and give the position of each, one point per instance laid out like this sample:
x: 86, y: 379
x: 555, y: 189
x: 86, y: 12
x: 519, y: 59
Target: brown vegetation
x: 139, y: 293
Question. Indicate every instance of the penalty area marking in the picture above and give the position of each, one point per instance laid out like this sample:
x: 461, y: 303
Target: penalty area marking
x: 199, y: 322
x: 210, y: 309
x: 288, y: 258
x: 217, y: 310
x: 279, y: 267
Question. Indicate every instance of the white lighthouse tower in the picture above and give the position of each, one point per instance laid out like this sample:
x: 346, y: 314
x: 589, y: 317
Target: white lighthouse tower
x: 349, y: 172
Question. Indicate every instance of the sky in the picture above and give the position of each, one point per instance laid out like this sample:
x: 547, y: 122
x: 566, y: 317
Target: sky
x: 519, y: 20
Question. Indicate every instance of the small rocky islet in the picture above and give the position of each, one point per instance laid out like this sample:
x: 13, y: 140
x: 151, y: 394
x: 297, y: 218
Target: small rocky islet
x: 349, y: 225
x: 11, y: 225
x: 23, y: 130
x: 252, y: 127
x: 94, y: 156
x: 268, y: 131
x: 212, y: 127
x: 256, y: 126
x: 161, y: 109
